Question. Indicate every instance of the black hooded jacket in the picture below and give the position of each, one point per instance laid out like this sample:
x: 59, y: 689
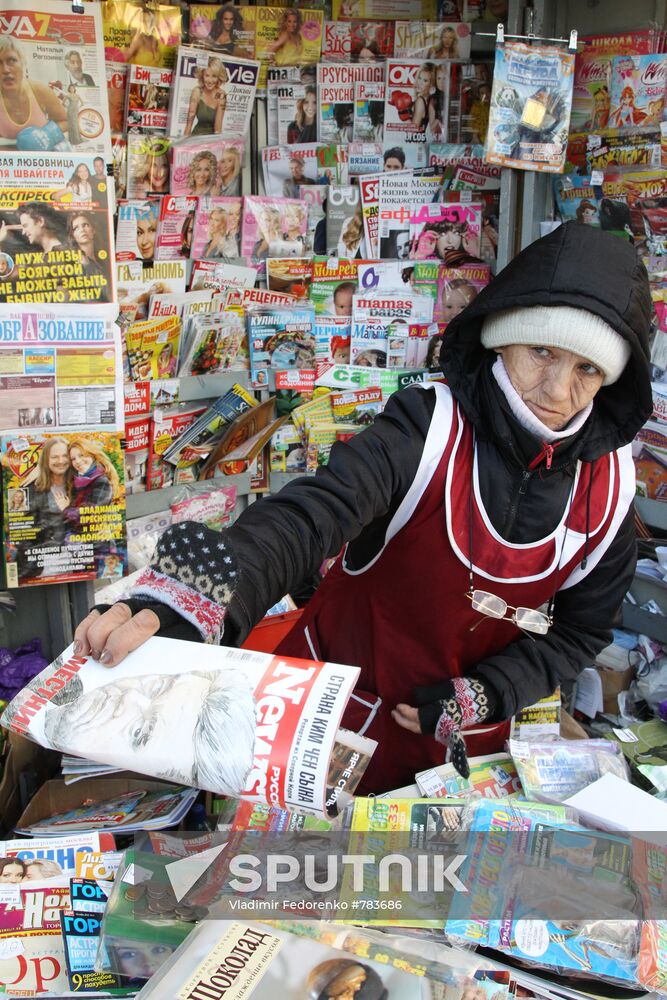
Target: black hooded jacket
x: 280, y: 542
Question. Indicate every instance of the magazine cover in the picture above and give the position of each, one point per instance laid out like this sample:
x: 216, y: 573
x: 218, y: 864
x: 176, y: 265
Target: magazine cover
x: 285, y: 77
x: 136, y: 228
x: 148, y: 36
x: 395, y: 199
x: 292, y: 275
x: 223, y: 276
x: 62, y: 369
x: 335, y: 88
x: 615, y: 149
x: 147, y: 165
x: 55, y: 231
x: 369, y: 190
x: 454, y: 287
x: 214, y: 343
x: 463, y: 167
x: 332, y: 340
x: 225, y: 27
x: 474, y: 101
x: 119, y: 165
x: 53, y: 82
x: 280, y: 338
x: 637, y: 95
x: 334, y: 284
x: 64, y: 507
x: 592, y: 75
x: 364, y: 158
x: 213, y: 93
x: 286, y: 168
x: 177, y: 220
x: 31, y: 941
x: 287, y: 37
x: 384, y: 10
x: 368, y: 114
x: 217, y: 230
x: 116, y: 94
x: 315, y: 197
x: 446, y: 231
x: 416, y: 108
x: 166, y: 427
x: 207, y: 168
x: 344, y: 223
x: 152, y: 348
x: 148, y: 95
x: 273, y: 227
x: 136, y: 284
x: 432, y: 40
x: 357, y: 40
x: 530, y: 107
x: 137, y: 440
x: 332, y: 164
x: 295, y: 750
x: 295, y: 118
x: 215, y: 424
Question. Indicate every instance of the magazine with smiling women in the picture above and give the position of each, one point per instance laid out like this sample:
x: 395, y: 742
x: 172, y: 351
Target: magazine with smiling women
x: 213, y: 93
x: 237, y: 717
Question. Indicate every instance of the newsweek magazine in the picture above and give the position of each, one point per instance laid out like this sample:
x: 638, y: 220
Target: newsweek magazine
x: 147, y: 165
x: 280, y: 337
x: 64, y: 507
x: 295, y: 116
x: 273, y: 227
x: 345, y: 227
x: 335, y: 89
x: 116, y: 93
x: 432, y: 40
x: 148, y: 91
x: 137, y: 34
x: 217, y: 232
x: 213, y: 93
x: 530, y: 107
x: 224, y: 27
x: 57, y: 74
x: 176, y: 226
x: 368, y: 114
x: 136, y: 284
x: 136, y: 228
x: 287, y: 167
x: 207, y: 167
x: 78, y: 706
x: 63, y: 369
x: 449, y: 232
x: 55, y: 221
x: 416, y: 107
x: 637, y: 93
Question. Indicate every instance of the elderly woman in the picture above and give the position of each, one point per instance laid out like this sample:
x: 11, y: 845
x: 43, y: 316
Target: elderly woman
x: 489, y: 522
x: 30, y: 113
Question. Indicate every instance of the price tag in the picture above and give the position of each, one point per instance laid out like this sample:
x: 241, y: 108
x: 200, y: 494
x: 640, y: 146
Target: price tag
x: 465, y: 196
x: 431, y: 784
x: 597, y: 178
x: 10, y: 948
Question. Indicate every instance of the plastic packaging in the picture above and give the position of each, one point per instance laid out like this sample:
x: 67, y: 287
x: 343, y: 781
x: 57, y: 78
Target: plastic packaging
x: 553, y: 770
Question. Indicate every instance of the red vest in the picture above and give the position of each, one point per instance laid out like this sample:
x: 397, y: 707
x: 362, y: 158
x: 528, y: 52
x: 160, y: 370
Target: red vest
x: 405, y: 618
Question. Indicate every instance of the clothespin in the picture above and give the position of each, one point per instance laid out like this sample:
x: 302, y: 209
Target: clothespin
x: 500, y: 34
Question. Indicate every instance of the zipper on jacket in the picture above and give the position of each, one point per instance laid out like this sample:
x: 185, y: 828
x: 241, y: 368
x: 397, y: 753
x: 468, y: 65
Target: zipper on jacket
x: 521, y: 492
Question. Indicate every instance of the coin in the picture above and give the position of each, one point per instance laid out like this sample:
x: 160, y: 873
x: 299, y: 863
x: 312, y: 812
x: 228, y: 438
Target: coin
x: 156, y: 891
x: 186, y: 913
x: 134, y: 892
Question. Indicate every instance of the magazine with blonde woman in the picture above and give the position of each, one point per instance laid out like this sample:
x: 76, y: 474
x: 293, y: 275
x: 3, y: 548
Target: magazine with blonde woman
x: 213, y: 93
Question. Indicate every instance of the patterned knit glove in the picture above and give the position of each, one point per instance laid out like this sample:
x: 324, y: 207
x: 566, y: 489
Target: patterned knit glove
x: 445, y: 709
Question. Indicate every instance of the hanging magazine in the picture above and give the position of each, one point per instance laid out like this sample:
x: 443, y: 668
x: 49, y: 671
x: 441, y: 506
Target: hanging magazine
x: 64, y: 508
x: 136, y: 228
x: 416, y: 108
x: 530, y: 107
x: 213, y: 93
x: 134, y: 33
x: 214, y: 710
x: 148, y: 93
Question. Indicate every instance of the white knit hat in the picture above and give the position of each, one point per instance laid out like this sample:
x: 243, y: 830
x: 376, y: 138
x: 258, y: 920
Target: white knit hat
x: 575, y: 330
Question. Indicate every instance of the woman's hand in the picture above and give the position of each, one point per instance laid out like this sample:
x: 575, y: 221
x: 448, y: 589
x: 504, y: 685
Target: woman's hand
x: 62, y: 503
x: 110, y: 636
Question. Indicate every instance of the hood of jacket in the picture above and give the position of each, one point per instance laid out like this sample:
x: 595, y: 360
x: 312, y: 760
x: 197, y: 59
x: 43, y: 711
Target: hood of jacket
x: 579, y: 266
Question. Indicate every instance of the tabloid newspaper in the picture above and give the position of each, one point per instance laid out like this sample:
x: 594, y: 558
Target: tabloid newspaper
x: 272, y: 741
x: 177, y: 219
x: 136, y: 34
x: 136, y: 283
x: 233, y: 34
x: 531, y: 99
x: 286, y: 168
x: 55, y: 229
x: 335, y: 88
x: 368, y: 115
x: 148, y: 93
x: 416, y: 107
x: 207, y: 167
x: 54, y: 89
x: 285, y: 77
x: 61, y: 369
x: 136, y: 228
x: 432, y: 40
x: 217, y: 232
x: 345, y: 227
x: 64, y: 507
x: 116, y: 93
x: 213, y: 93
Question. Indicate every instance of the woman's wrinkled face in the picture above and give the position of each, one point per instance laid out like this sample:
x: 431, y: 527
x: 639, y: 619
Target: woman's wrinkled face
x: 554, y: 384
x: 11, y: 70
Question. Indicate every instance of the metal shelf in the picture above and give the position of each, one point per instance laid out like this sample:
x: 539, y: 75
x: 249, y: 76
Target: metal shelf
x: 140, y: 504
x: 279, y: 479
x: 192, y: 387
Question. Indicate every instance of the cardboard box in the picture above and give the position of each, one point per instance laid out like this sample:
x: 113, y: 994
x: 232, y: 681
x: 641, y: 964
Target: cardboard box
x: 26, y: 766
x: 613, y: 682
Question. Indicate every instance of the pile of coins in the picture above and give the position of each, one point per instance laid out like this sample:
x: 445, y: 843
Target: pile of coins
x: 156, y: 899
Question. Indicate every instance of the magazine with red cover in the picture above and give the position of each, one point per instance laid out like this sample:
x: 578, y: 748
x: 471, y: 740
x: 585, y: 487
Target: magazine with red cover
x: 416, y: 107
x: 148, y: 92
x: 176, y: 226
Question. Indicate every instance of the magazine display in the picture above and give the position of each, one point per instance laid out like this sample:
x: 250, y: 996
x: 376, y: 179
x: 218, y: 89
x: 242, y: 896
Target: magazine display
x: 221, y: 276
x: 292, y: 275
x: 306, y: 700
x: 453, y: 288
x: 286, y: 168
x: 148, y: 95
x: 147, y: 165
x: 592, y: 75
x: 203, y: 434
x: 315, y: 197
x: 416, y: 107
x: 217, y: 229
x: 177, y: 220
x: 64, y: 507
x: 474, y: 99
x: 117, y: 94
x: 287, y: 38
x: 463, y: 167
x: 273, y: 227
x: 152, y: 348
x: 166, y: 427
x: 432, y: 40
x: 368, y: 113
x: 395, y: 200
x: 334, y: 284
x: 280, y: 81
x: 446, y: 231
x: 280, y: 338
x: 637, y: 93
x: 213, y: 93
x: 55, y: 230
x: 369, y: 189
x: 60, y: 86
x: 214, y: 342
x: 248, y: 435
x: 364, y: 158
x: 232, y: 33
x: 530, y: 107
x: 357, y: 40
x: 137, y: 228
x: 384, y: 10
x: 134, y: 34
x: 345, y: 227
x: 207, y: 168
x: 335, y: 89
x: 31, y: 942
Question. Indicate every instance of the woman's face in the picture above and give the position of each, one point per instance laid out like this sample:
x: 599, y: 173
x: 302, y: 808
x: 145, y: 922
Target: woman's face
x: 451, y: 240
x: 159, y: 172
x: 290, y: 24
x: 440, y: 78
x: 82, y: 172
x: 424, y: 83
x: 309, y: 106
x: 12, y: 873
x: 80, y: 459
x: 58, y: 459
x: 164, y: 356
x: 209, y: 79
x: 448, y: 38
x: 11, y: 70
x: 146, y: 232
x: 82, y: 231
x: 202, y: 174
x: 234, y: 219
x: 227, y: 164
x: 216, y: 222
x: 228, y: 20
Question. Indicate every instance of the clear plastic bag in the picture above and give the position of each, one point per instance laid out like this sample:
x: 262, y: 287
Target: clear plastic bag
x: 553, y: 770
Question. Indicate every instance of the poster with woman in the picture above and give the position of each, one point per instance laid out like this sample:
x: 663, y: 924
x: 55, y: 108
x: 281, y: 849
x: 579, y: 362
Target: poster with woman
x: 226, y: 27
x: 69, y: 523
x: 52, y: 81
x: 416, y: 107
x: 145, y: 35
x: 55, y: 230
